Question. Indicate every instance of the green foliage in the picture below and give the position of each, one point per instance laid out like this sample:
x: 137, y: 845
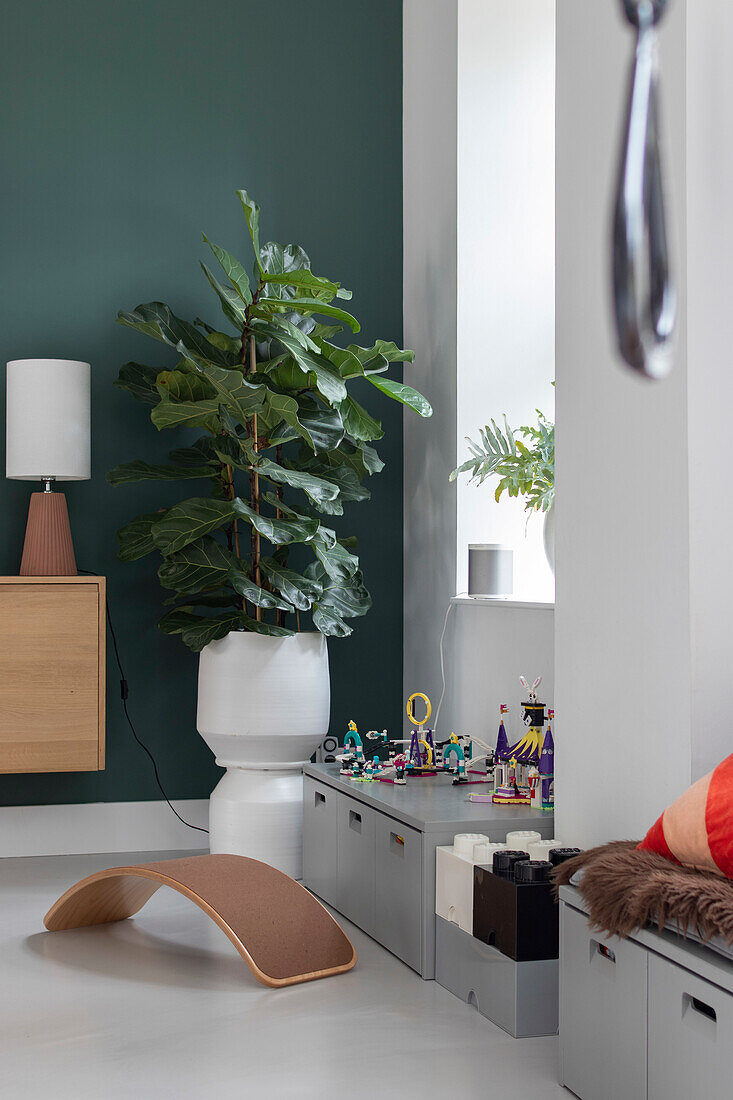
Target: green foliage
x: 524, y: 469
x: 284, y: 442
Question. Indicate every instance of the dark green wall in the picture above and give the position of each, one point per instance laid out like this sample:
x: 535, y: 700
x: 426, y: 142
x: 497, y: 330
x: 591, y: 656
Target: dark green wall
x: 125, y: 129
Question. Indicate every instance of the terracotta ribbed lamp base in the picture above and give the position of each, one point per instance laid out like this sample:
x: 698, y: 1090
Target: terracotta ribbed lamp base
x: 48, y: 550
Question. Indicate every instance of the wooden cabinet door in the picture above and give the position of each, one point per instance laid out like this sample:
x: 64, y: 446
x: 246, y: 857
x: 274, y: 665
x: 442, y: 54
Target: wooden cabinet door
x: 51, y: 674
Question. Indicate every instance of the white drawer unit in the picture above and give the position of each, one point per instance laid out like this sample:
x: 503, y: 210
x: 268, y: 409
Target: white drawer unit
x: 369, y: 851
x: 603, y: 982
x: 646, y: 1018
x: 355, y: 843
x: 690, y: 1034
x: 320, y: 838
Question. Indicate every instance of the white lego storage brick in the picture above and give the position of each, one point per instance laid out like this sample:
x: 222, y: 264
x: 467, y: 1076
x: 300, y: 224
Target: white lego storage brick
x: 520, y: 839
x: 454, y: 879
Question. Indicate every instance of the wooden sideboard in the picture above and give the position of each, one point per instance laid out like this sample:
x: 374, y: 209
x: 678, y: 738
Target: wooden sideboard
x: 52, y: 674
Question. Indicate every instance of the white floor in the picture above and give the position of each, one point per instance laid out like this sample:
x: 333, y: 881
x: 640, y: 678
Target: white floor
x: 162, y: 1006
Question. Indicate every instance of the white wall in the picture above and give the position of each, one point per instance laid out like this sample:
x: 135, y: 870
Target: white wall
x: 499, y: 156
x: 710, y: 373
x: 491, y: 643
x: 430, y: 250
x: 643, y: 600
x: 506, y: 256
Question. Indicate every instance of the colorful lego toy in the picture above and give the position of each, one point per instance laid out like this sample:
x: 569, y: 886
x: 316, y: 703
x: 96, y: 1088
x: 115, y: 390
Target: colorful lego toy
x: 422, y: 746
x: 524, y: 772
x: 454, y: 748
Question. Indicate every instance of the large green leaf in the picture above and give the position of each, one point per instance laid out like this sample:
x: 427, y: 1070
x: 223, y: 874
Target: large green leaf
x: 335, y: 558
x: 178, y: 385
x: 190, y: 521
x: 136, y: 539
x: 348, y: 596
x: 327, y: 379
x: 318, y: 491
x: 231, y: 302
x: 140, y: 381
x: 276, y: 260
x: 329, y: 622
x: 252, y: 216
x: 406, y: 395
x: 324, y: 426
x: 260, y: 597
x: 241, y: 397
x: 358, y: 422
x: 267, y: 306
x: 341, y: 475
x: 233, y: 270
x: 129, y: 472
x: 305, y: 279
x: 299, y: 590
x: 281, y: 532
x: 156, y: 320
x: 280, y: 407
x: 198, y: 567
x: 191, y: 414
x: 205, y: 629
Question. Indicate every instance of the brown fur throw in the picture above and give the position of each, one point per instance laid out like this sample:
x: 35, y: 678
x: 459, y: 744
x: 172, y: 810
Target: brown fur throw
x: 625, y: 889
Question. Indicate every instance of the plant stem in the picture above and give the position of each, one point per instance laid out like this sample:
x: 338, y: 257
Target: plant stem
x: 280, y: 617
x: 254, y: 489
x: 230, y: 488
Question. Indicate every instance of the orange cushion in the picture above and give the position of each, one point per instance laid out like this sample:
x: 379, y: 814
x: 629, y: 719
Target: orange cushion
x: 697, y: 829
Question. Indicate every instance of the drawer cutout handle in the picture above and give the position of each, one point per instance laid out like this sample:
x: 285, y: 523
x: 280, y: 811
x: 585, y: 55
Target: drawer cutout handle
x: 694, y: 1004
x: 320, y: 799
x: 397, y: 843
x: 597, y: 948
x: 355, y: 821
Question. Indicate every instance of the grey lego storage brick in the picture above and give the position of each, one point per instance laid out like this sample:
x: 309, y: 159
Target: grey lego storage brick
x: 320, y: 839
x: 690, y: 1034
x: 398, y: 889
x: 520, y: 997
x: 603, y: 1012
x: 356, y: 862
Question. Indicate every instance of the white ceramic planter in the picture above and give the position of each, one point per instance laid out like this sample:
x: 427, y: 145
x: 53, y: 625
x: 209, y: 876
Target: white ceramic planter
x: 263, y: 708
x: 548, y: 535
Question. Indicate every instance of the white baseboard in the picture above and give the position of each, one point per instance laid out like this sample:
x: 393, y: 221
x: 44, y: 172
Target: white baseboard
x: 101, y: 827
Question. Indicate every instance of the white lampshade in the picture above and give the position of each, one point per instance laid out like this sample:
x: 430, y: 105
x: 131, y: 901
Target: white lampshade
x: 48, y: 420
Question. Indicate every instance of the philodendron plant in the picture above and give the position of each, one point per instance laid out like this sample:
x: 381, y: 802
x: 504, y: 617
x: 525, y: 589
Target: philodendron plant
x: 283, y: 443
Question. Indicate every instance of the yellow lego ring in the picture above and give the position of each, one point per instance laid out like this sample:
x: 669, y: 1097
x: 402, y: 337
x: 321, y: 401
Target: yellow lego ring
x: 410, y: 715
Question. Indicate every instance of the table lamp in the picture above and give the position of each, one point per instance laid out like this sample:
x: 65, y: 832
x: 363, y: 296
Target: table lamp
x: 48, y: 439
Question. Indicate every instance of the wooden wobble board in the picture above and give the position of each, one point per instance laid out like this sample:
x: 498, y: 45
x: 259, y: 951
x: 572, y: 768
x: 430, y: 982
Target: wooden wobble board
x: 282, y: 932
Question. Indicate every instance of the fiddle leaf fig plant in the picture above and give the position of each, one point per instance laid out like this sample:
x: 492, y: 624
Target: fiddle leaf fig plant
x: 283, y: 443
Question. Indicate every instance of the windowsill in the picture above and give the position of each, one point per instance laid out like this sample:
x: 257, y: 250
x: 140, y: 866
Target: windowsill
x: 501, y: 601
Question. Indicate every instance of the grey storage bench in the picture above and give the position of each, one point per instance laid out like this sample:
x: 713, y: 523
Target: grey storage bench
x: 369, y: 850
x: 648, y: 1018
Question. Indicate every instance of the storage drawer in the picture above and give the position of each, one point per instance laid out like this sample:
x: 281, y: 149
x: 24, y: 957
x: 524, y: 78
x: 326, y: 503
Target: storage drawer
x: 690, y: 1034
x: 398, y: 895
x: 320, y: 840
x: 603, y: 1002
x: 355, y: 833
x: 520, y: 997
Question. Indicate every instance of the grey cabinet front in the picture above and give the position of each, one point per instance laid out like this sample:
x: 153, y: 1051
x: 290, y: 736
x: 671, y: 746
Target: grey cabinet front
x: 690, y: 1034
x: 320, y: 840
x: 356, y: 830
x: 603, y: 993
x: 398, y: 897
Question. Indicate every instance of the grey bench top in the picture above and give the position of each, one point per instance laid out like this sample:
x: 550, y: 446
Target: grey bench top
x: 712, y: 961
x: 434, y: 805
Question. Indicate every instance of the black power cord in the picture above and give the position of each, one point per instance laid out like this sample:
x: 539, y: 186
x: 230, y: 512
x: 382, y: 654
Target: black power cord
x: 124, y: 692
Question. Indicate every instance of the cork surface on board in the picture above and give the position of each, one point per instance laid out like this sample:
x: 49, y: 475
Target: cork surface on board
x: 282, y: 932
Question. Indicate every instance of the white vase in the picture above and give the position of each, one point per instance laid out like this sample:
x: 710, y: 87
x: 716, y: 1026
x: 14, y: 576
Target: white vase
x: 548, y: 537
x: 263, y: 708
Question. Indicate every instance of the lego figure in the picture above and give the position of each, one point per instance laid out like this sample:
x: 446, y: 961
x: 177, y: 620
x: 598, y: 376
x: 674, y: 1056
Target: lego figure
x: 400, y: 765
x: 368, y: 771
